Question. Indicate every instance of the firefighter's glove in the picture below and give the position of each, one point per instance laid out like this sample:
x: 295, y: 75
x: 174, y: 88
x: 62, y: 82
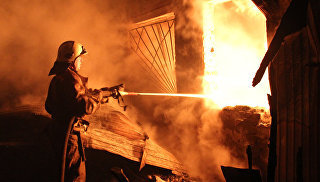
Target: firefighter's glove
x: 115, y: 94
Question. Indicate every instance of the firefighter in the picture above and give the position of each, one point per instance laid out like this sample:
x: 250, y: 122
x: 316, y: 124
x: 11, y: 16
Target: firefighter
x: 68, y: 101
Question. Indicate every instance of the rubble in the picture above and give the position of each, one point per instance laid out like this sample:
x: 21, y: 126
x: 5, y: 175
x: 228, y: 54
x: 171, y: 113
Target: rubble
x: 244, y: 125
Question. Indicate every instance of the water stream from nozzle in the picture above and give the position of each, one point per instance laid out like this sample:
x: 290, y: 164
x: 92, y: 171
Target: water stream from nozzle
x: 164, y: 94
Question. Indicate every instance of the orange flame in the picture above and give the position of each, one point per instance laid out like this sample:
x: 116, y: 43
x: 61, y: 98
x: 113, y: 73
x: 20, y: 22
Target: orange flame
x: 234, y: 35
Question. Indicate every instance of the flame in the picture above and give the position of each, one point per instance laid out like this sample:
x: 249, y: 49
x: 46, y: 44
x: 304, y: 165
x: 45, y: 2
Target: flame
x: 234, y: 37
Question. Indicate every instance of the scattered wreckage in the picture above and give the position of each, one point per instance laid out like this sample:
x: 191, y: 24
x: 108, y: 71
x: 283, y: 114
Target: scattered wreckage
x: 116, y: 148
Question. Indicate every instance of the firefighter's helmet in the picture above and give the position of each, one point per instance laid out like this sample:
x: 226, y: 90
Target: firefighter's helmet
x: 68, y: 52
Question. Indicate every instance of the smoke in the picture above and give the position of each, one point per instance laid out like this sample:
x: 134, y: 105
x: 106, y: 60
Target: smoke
x: 33, y: 30
x: 205, y: 139
x: 194, y: 134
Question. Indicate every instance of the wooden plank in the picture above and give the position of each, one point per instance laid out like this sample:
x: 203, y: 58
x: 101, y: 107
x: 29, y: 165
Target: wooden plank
x: 298, y: 75
x: 313, y: 44
x: 313, y: 65
x: 151, y: 21
x: 278, y: 122
x: 111, y: 130
x: 131, y: 149
x: 282, y: 113
x: 313, y: 120
x: 290, y: 110
x: 306, y: 114
x: 274, y: 132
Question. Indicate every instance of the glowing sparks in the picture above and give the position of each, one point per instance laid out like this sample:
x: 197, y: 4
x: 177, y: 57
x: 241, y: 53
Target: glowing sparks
x: 233, y: 39
x: 165, y: 94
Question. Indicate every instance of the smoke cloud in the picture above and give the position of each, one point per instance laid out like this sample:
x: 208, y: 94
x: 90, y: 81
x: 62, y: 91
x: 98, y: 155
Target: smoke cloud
x: 32, y: 32
x: 194, y: 134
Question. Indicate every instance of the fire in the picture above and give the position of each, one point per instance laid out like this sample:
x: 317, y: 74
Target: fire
x: 234, y: 37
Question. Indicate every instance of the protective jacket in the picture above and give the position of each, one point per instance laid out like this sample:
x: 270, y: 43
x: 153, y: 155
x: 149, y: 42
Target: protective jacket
x: 68, y: 101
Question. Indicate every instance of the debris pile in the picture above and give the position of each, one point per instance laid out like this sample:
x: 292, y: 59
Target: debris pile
x: 243, y: 126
